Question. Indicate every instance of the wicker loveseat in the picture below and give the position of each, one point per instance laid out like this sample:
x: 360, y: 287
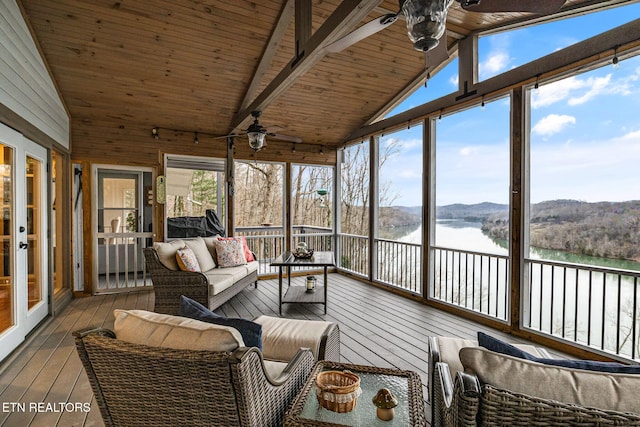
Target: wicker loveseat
x: 211, y: 287
x: 479, y: 390
x: 143, y: 385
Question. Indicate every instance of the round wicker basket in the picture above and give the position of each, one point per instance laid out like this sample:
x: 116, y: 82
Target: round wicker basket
x: 338, y: 391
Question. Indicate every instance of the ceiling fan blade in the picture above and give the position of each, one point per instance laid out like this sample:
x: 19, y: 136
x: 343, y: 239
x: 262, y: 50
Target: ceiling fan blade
x: 273, y: 128
x: 542, y: 7
x: 366, y: 30
x: 236, y: 135
x: 288, y: 138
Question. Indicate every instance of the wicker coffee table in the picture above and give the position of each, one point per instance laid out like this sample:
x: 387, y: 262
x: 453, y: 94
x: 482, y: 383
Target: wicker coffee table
x: 406, y: 385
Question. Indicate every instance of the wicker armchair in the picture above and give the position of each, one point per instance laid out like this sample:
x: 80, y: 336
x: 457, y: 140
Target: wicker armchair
x: 138, y: 385
x: 169, y: 285
x: 465, y: 401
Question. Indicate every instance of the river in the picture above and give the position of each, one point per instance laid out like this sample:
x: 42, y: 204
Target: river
x: 457, y: 234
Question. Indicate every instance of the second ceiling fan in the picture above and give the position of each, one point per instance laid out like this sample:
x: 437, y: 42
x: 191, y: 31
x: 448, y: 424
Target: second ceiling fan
x: 256, y: 133
x: 426, y: 19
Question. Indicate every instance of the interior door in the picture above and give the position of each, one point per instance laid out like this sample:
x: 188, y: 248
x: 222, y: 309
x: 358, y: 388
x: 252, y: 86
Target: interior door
x: 23, y: 262
x: 32, y: 236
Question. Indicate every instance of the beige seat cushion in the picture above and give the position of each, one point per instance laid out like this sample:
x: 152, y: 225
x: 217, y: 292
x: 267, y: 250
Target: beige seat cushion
x: 167, y: 253
x: 450, y: 348
x: 616, y: 392
x: 219, y: 282
x: 201, y: 252
x: 163, y: 330
x: 281, y: 338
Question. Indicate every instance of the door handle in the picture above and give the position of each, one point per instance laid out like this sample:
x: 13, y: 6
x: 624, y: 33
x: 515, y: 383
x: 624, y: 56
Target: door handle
x: 23, y: 245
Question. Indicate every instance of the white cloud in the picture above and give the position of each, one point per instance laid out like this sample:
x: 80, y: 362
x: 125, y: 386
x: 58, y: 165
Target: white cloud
x: 453, y: 80
x: 468, y: 151
x: 495, y: 63
x: 553, y: 123
x: 579, y: 91
x: 555, y: 92
x: 596, y: 86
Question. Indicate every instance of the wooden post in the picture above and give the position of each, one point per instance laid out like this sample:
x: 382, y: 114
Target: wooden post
x: 518, y: 207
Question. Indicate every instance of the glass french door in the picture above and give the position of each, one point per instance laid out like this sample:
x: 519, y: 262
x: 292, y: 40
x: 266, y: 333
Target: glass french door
x: 24, y: 290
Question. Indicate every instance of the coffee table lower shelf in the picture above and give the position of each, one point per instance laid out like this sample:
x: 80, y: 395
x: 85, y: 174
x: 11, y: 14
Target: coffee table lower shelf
x: 299, y: 295
x: 406, y: 385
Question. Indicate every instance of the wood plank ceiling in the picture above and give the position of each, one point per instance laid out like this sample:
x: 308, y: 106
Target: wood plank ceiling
x: 187, y: 64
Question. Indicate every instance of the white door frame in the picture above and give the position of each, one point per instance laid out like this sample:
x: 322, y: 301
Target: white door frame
x: 38, y: 312
x: 25, y: 320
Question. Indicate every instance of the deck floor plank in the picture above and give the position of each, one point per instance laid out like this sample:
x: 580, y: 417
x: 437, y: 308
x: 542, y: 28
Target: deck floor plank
x: 377, y: 327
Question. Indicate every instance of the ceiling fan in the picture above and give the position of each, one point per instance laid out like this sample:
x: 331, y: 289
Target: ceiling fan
x: 256, y: 133
x: 426, y: 19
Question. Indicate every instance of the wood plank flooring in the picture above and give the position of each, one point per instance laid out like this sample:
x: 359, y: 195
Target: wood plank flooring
x: 377, y: 328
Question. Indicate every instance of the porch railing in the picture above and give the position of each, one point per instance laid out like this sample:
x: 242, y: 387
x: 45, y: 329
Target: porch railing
x: 399, y: 264
x: 354, y: 254
x: 121, y: 262
x: 268, y: 242
x: 472, y: 280
x: 592, y: 306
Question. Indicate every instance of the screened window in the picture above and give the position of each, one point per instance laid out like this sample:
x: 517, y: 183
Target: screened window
x: 501, y: 52
x: 312, y: 206
x: 355, y: 205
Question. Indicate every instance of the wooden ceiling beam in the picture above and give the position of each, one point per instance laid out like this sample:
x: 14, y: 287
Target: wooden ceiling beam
x: 269, y: 52
x: 346, y: 16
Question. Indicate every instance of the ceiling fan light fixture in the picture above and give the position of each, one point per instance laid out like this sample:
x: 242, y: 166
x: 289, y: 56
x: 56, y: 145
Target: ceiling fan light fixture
x: 256, y: 140
x: 256, y: 133
x: 426, y: 21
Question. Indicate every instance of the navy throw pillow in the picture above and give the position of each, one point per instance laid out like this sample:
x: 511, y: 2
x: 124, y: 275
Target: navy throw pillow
x: 494, y: 344
x: 251, y: 331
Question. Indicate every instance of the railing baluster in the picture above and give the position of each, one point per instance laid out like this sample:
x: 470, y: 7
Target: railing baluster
x: 589, y: 308
x: 473, y: 283
x: 604, y: 308
x: 553, y: 293
x: 540, y: 301
x: 564, y: 301
x: 575, y: 318
x: 619, y: 309
x: 634, y: 317
x: 481, y: 289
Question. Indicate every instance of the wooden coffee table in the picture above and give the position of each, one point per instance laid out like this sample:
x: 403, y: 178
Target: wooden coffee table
x: 298, y: 294
x: 405, y: 385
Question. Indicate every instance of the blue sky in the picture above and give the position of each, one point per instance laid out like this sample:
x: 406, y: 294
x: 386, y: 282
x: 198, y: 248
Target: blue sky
x: 585, y: 130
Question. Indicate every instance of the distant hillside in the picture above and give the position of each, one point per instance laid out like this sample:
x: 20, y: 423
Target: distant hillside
x: 472, y: 213
x: 397, y: 216
x: 603, y: 229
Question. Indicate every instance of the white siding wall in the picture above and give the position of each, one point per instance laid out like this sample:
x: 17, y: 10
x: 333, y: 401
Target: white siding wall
x: 26, y: 87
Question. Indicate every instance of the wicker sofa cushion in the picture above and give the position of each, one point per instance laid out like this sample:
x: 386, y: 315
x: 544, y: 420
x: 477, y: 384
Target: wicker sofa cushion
x: 199, y: 248
x: 616, y: 392
x: 167, y: 253
x: 449, y: 348
x: 163, y: 330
